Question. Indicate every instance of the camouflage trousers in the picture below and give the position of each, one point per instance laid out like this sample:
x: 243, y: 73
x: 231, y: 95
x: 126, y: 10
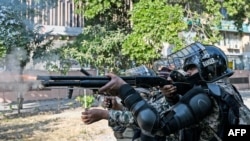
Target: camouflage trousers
x: 125, y: 134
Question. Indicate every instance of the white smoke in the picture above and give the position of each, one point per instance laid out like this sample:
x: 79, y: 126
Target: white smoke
x: 10, y: 78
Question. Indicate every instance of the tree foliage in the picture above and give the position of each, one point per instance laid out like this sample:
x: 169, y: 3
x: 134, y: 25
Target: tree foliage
x: 145, y: 40
x: 98, y: 47
x: 237, y: 11
x: 111, y: 13
x: 19, y: 33
x: 2, y: 50
x: 154, y: 23
x: 20, y: 37
x: 106, y: 24
x: 205, y: 17
x: 150, y: 23
x: 96, y: 7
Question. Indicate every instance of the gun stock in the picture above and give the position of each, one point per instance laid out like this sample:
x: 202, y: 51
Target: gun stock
x: 99, y: 81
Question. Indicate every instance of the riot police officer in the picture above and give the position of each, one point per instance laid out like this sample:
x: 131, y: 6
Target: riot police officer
x: 205, y: 65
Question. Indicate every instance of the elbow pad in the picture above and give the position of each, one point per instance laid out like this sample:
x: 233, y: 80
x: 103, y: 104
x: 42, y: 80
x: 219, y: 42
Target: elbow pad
x: 146, y: 116
x: 192, y: 108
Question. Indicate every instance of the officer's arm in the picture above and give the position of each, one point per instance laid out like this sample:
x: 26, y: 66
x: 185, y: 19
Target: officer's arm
x: 191, y: 109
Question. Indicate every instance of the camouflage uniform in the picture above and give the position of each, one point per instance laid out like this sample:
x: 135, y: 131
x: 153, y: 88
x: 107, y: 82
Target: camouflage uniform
x: 125, y: 118
x: 123, y: 124
x: 244, y: 112
x: 162, y: 105
x: 124, y: 121
x: 209, y: 126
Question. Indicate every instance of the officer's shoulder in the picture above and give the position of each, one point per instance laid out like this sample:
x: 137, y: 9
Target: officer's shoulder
x: 213, y: 89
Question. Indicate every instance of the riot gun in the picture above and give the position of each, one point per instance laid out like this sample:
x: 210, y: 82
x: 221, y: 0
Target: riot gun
x: 95, y: 82
x: 99, y: 81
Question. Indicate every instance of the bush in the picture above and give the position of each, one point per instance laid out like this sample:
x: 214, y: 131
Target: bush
x: 85, y: 100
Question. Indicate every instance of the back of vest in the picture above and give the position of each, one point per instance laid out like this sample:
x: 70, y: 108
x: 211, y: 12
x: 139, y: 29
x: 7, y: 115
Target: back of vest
x: 238, y: 112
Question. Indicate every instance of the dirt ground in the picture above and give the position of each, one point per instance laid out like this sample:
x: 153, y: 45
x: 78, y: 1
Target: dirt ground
x: 63, y: 126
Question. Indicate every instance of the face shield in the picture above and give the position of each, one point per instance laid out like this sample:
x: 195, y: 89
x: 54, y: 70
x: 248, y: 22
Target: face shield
x: 210, y: 61
x: 140, y: 71
x: 179, y: 58
x: 192, y: 61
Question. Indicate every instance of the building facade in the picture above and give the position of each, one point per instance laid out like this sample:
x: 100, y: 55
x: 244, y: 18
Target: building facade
x: 60, y: 17
x: 236, y: 45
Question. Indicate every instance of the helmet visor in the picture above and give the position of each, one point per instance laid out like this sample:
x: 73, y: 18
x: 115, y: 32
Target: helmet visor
x: 185, y: 56
x: 192, y: 61
x: 140, y: 71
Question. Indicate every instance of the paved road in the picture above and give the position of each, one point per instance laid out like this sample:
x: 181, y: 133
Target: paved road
x: 34, y: 107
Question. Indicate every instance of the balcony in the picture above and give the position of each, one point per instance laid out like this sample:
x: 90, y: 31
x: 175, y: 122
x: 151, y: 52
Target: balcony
x: 230, y: 27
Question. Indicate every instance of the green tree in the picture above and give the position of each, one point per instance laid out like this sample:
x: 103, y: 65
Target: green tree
x: 2, y: 50
x: 154, y: 23
x: 100, y: 45
x: 237, y: 11
x: 111, y: 13
x: 144, y: 38
x: 150, y: 23
x: 204, y: 17
x: 21, y: 39
x: 100, y: 48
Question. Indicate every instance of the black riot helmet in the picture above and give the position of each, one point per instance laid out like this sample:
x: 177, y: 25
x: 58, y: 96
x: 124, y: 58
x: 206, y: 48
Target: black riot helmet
x: 211, y: 62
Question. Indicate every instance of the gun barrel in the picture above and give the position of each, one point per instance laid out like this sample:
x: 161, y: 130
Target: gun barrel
x: 99, y: 81
x: 39, y: 77
x: 82, y: 83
